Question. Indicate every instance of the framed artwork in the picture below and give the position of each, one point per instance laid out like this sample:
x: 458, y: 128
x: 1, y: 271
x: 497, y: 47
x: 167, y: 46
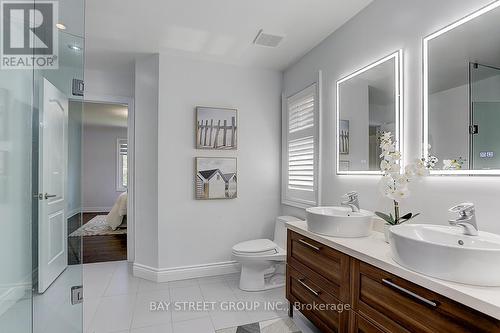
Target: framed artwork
x: 216, y: 178
x: 216, y: 128
x: 344, y: 137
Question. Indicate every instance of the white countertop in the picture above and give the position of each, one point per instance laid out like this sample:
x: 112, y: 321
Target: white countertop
x: 375, y: 251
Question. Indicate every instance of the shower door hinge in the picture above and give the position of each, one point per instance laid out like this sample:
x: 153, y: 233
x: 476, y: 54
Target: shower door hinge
x: 474, y: 129
x: 76, y: 295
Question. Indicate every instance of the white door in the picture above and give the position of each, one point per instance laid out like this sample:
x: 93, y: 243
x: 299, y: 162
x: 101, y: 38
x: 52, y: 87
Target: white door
x: 53, y: 156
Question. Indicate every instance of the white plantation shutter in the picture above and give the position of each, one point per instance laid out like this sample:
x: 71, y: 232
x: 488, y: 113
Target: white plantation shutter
x: 300, y: 172
x: 301, y: 164
x: 301, y: 114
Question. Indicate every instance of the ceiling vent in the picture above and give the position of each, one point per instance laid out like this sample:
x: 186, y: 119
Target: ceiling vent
x: 268, y: 40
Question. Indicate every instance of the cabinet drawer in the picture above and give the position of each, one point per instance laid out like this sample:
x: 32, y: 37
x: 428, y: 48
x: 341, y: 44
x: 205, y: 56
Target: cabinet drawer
x: 329, y: 263
x: 401, y: 306
x: 361, y: 325
x: 315, y: 302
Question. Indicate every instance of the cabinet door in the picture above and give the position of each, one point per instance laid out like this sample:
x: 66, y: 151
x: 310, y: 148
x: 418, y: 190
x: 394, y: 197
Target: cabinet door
x: 361, y: 325
x: 401, y: 306
x: 332, y: 265
x: 317, y: 304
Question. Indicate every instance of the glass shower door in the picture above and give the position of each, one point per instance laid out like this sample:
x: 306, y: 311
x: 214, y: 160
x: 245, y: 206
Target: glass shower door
x: 485, y: 117
x: 16, y: 89
x: 40, y: 122
x: 58, y: 293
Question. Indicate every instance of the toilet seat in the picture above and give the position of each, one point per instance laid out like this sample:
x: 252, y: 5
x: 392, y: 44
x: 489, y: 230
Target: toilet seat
x: 256, y: 247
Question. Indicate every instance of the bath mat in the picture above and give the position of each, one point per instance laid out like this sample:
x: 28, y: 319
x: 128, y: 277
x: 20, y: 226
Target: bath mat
x: 280, y: 325
x: 97, y: 227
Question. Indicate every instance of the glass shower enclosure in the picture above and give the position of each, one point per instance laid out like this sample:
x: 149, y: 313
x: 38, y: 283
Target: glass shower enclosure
x: 484, y: 117
x: 40, y: 126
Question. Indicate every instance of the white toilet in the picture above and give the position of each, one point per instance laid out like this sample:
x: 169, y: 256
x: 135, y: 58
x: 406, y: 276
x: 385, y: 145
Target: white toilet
x: 262, y: 260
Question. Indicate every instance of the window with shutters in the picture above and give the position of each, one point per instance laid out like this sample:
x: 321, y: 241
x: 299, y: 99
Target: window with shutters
x: 300, y: 147
x: 121, y: 165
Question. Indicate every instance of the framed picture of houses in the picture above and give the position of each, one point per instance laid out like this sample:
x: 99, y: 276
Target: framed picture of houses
x: 216, y: 178
x: 216, y: 128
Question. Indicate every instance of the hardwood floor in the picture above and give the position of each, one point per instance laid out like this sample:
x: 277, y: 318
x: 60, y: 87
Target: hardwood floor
x: 93, y: 249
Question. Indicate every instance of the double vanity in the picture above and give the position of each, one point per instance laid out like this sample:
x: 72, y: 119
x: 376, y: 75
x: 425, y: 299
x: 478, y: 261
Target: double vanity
x: 373, y: 293
x: 413, y: 277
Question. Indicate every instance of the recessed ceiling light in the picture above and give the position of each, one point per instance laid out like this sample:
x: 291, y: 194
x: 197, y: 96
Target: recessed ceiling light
x: 74, y: 47
x: 60, y: 26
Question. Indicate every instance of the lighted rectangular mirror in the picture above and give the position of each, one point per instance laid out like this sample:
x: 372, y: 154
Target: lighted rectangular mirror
x: 368, y: 103
x: 462, y: 95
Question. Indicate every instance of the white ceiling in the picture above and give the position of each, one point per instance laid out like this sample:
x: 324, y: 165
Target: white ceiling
x: 218, y: 30
x: 101, y: 114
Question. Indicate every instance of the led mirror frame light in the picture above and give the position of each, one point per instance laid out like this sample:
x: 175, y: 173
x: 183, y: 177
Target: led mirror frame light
x: 425, y: 50
x: 398, y: 95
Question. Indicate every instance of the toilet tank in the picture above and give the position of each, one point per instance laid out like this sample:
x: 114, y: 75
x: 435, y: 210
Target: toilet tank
x: 280, y: 230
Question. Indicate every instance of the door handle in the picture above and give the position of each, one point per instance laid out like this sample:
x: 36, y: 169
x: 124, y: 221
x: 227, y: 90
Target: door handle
x: 309, y: 245
x: 47, y: 196
x: 311, y: 290
x: 409, y: 293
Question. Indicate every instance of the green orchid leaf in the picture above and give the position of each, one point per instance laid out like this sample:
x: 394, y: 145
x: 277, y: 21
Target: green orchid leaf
x: 385, y: 217
x: 406, y: 217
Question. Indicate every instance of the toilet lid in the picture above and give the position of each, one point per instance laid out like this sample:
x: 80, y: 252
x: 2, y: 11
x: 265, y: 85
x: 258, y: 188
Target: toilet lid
x: 255, y: 246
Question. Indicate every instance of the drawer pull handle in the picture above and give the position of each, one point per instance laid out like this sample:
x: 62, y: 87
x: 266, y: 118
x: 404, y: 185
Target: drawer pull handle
x: 316, y: 293
x: 315, y: 248
x: 409, y: 293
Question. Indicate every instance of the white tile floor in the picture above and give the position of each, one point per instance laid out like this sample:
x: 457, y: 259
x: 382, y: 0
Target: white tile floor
x: 116, y: 301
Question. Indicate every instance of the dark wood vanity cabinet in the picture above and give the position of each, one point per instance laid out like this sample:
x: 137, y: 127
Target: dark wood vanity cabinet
x: 317, y: 275
x: 380, y: 302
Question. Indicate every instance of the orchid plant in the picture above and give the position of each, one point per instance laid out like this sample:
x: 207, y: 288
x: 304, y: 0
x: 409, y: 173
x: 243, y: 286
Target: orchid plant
x: 455, y: 164
x: 395, y: 181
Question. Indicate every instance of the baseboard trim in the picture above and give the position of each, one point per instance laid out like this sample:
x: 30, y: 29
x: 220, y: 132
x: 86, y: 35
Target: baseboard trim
x: 185, y: 272
x: 96, y: 209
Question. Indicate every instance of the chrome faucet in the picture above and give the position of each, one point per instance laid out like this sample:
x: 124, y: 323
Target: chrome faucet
x: 466, y: 218
x: 351, y: 200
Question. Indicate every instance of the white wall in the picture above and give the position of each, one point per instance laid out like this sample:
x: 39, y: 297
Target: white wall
x: 117, y: 81
x: 146, y: 160
x: 203, y: 232
x: 382, y: 28
x: 99, y: 167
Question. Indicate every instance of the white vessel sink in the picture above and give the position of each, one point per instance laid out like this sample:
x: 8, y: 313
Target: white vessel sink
x: 446, y: 253
x: 339, y: 221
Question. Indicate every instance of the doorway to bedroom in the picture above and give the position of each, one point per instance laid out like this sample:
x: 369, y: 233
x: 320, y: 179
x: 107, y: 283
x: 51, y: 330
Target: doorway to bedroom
x: 103, y: 170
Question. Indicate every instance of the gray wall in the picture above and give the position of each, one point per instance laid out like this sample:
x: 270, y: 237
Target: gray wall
x: 99, y: 167
x: 195, y: 232
x: 116, y: 81
x: 380, y: 29
x: 146, y: 160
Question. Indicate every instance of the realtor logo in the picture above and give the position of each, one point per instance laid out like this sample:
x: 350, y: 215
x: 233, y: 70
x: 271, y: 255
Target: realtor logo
x: 29, y: 36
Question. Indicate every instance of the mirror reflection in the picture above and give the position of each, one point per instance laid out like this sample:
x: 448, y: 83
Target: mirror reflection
x: 367, y: 105
x: 462, y: 91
